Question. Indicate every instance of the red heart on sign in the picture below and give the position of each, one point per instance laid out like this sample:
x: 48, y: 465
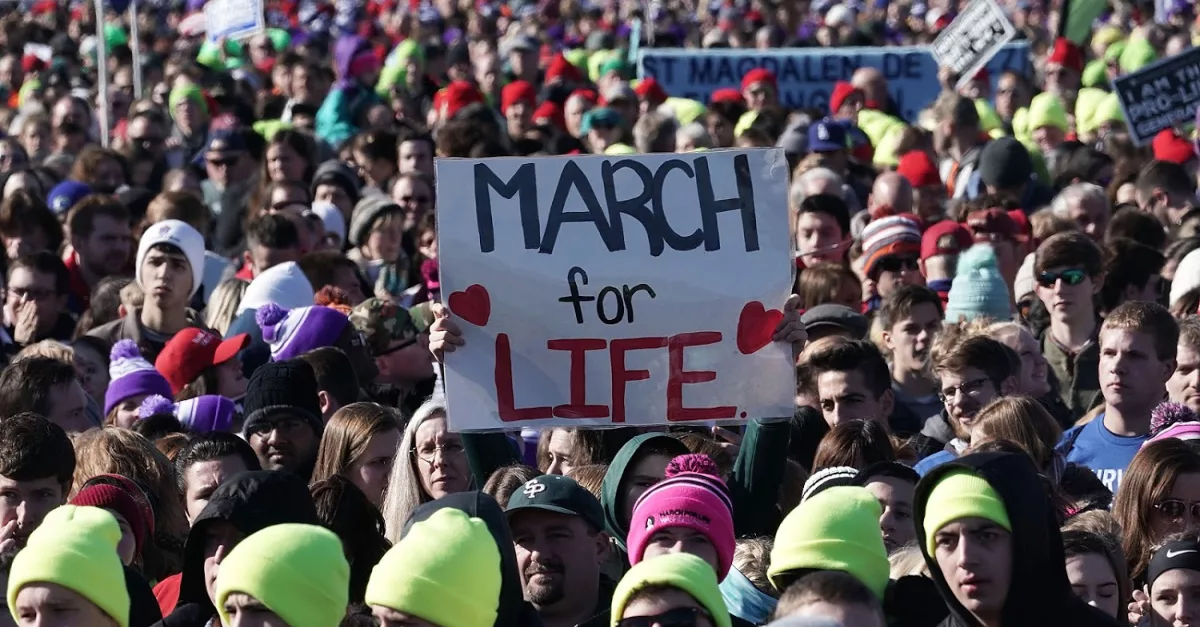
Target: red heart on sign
x: 472, y: 304
x: 755, y: 327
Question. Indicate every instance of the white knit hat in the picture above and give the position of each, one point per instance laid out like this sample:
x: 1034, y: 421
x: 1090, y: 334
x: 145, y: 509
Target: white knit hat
x: 1187, y: 276
x: 181, y: 235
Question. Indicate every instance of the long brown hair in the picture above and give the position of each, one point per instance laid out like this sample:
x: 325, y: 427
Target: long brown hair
x: 1024, y: 422
x: 1148, y: 480
x: 857, y: 443
x: 347, y: 435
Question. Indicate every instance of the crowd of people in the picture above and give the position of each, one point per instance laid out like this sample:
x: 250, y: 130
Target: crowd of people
x: 221, y: 401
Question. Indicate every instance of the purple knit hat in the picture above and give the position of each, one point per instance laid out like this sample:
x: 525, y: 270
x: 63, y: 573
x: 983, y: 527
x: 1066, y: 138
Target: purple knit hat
x: 131, y: 375
x: 1173, y: 420
x: 206, y: 414
x: 295, y: 332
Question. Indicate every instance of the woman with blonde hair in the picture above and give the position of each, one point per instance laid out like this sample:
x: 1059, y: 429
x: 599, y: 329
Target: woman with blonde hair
x: 1157, y: 497
x: 430, y: 463
x: 1022, y: 421
x: 359, y: 443
x: 223, y: 304
x: 117, y: 451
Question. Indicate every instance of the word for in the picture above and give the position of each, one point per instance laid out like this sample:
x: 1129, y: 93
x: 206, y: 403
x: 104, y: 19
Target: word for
x: 605, y: 211
x: 578, y: 405
x: 622, y: 297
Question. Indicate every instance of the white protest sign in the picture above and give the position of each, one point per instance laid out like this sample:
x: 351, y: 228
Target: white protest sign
x: 972, y: 39
x: 234, y: 19
x: 606, y: 291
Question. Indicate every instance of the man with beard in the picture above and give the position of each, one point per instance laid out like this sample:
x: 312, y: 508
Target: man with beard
x: 100, y: 236
x: 973, y: 371
x: 557, y: 529
x: 37, y: 464
x: 283, y: 417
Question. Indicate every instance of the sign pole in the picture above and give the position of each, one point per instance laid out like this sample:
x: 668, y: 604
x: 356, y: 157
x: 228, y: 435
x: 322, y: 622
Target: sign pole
x: 136, y: 48
x: 102, y: 71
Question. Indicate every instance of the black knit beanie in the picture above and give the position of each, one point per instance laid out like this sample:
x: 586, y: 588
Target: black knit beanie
x: 282, y: 387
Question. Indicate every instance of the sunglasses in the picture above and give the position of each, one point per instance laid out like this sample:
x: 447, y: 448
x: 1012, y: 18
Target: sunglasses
x: 1074, y: 276
x: 678, y: 617
x: 1176, y: 509
x: 897, y: 264
x: 222, y: 163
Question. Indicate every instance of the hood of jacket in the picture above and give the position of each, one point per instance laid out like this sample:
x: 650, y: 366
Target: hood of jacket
x: 250, y: 501
x: 612, y: 490
x: 1040, y: 593
x: 513, y: 610
x: 343, y: 53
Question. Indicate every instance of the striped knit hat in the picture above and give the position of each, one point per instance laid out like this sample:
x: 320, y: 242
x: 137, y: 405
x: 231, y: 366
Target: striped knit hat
x: 892, y: 235
x: 692, y: 496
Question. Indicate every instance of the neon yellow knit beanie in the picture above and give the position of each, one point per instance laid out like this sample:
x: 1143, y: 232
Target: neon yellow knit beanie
x: 76, y: 548
x: 1046, y: 109
x: 298, y: 571
x: 446, y: 570
x: 961, y: 494
x: 836, y: 529
x: 676, y: 570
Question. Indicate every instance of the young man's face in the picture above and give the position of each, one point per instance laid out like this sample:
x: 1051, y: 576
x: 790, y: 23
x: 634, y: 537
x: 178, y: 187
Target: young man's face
x: 661, y: 602
x: 106, y: 251
x: 201, y: 479
x: 28, y: 502
x: 1132, y: 376
x: 1067, y: 293
x: 30, y: 288
x: 896, y: 498
x: 910, y: 337
x: 1184, y: 384
x: 965, y: 392
x: 975, y: 556
x: 327, y: 192
x: 895, y: 271
x: 52, y: 605
x: 68, y: 407
x: 639, y: 477
x: 284, y: 442
x: 167, y: 279
x: 818, y: 236
x: 845, y: 396
x: 416, y: 156
x: 558, y: 556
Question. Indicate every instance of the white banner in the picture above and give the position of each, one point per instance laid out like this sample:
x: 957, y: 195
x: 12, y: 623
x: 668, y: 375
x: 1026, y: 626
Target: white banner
x: 605, y: 291
x: 234, y: 19
x: 972, y: 39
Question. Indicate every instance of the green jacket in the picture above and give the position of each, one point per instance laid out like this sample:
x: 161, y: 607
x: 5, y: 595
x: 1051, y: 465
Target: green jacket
x: 1078, y: 376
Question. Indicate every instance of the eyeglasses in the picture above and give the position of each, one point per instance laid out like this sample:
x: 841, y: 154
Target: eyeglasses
x: 1074, y: 276
x: 1175, y: 509
x: 970, y: 388
x: 895, y: 263
x: 448, y: 450
x: 285, y: 424
x: 678, y: 617
x: 28, y: 293
x: 397, y: 348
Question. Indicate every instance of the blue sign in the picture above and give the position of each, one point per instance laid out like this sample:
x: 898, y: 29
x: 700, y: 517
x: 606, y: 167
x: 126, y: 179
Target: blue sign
x: 806, y: 75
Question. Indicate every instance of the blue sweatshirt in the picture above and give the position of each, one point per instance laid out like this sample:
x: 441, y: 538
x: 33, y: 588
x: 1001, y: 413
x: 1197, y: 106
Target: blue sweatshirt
x: 1101, y: 451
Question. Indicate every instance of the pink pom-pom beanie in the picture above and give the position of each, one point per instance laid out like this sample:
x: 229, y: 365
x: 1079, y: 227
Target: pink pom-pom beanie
x: 692, y: 496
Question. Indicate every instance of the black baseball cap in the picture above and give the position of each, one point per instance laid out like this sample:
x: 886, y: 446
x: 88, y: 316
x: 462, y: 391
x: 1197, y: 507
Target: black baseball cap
x: 559, y: 494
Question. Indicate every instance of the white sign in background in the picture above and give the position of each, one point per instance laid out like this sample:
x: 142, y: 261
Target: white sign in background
x: 972, y: 39
x: 233, y: 19
x: 607, y: 291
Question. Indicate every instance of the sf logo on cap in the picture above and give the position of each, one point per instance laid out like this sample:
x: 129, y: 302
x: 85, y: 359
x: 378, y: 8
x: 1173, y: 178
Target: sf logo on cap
x: 532, y: 487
